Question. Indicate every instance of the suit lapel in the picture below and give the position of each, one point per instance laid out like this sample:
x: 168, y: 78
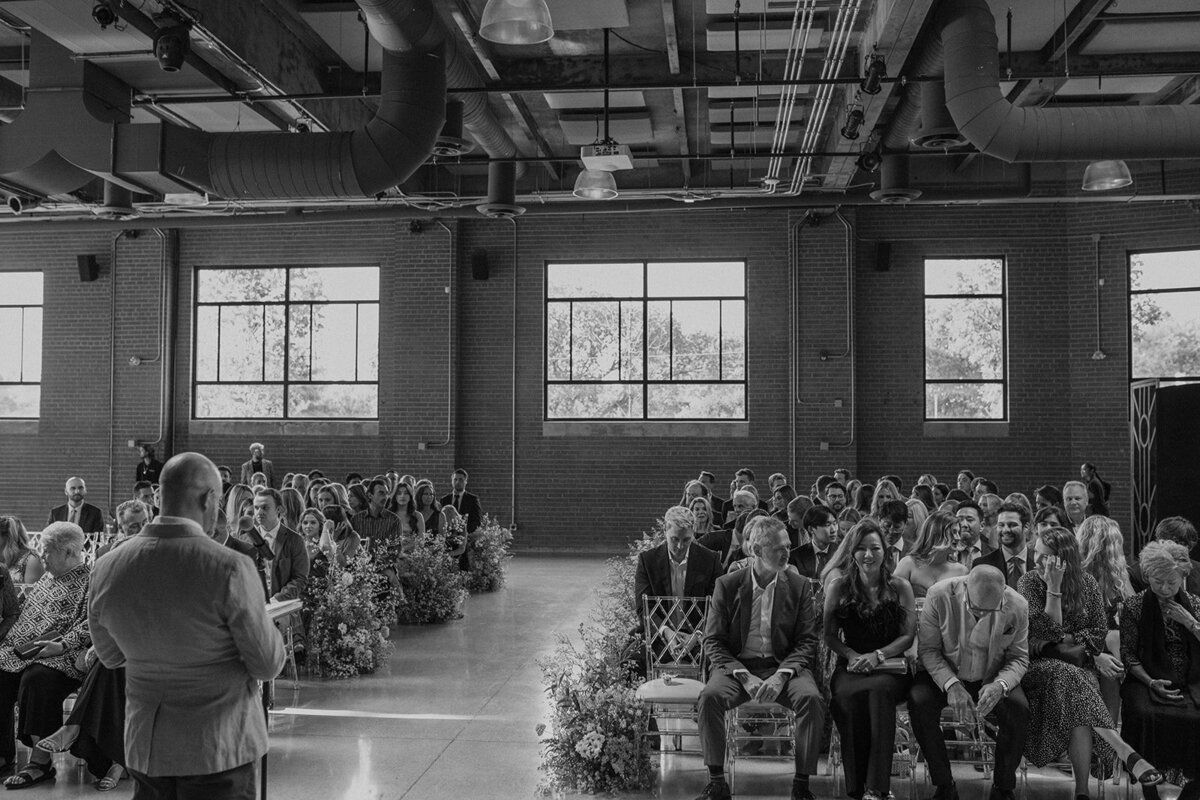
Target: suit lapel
x: 662, y: 569
x: 782, y: 609
x: 745, y: 607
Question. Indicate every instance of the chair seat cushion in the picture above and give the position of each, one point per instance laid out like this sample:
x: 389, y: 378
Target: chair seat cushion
x: 680, y: 690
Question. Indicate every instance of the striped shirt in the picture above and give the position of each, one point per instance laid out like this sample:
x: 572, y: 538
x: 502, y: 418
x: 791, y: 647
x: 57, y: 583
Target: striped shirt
x: 379, y: 529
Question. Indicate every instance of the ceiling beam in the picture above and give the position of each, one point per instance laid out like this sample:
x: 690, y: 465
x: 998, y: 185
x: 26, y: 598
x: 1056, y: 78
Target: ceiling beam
x: 671, y: 35
x: 1077, y: 23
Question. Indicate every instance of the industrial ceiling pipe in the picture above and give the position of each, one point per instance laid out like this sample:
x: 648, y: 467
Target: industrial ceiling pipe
x: 1014, y: 133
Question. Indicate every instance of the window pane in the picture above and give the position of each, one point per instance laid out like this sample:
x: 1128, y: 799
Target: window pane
x: 341, y: 401
x: 558, y: 341
x: 593, y: 280
x: 207, y: 326
x: 964, y: 276
x: 21, y: 288
x: 240, y: 285
x: 696, y: 401
x: 10, y: 346
x: 631, y: 341
x: 964, y: 401
x: 733, y: 339
x: 368, y: 342
x: 690, y: 279
x: 1166, y: 334
x: 594, y: 401
x: 241, y: 343
x: 964, y: 339
x: 275, y: 335
x: 31, y: 357
x: 335, y: 283
x: 21, y: 402
x: 1172, y: 270
x: 334, y: 331
x: 300, y: 320
x: 239, y: 401
x: 594, y: 346
x: 697, y: 340
x: 658, y: 340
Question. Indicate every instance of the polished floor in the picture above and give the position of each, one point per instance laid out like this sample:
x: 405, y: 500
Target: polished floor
x: 452, y: 715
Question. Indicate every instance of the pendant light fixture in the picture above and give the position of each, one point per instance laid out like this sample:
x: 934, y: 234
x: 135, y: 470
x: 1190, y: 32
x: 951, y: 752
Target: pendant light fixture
x: 596, y: 181
x: 516, y: 22
x: 1101, y: 176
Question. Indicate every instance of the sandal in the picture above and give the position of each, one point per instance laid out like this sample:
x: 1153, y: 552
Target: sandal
x: 57, y: 741
x: 26, y: 778
x: 111, y: 779
x: 1149, y: 777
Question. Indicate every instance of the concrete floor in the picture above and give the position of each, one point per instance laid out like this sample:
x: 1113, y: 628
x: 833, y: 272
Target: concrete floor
x: 452, y: 715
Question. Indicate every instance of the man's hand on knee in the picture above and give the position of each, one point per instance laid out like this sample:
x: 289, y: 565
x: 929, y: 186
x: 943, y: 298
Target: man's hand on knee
x: 771, y: 688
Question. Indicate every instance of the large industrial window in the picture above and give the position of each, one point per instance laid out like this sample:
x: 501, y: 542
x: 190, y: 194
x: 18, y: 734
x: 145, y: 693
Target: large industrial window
x: 20, y: 345
x: 646, y: 341
x: 1164, y: 314
x: 965, y: 339
x: 286, y: 343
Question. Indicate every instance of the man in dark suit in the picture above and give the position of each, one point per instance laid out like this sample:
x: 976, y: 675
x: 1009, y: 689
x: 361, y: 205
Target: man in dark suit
x: 821, y: 525
x: 463, y: 501
x: 719, y: 504
x: 678, y: 567
x: 761, y: 640
x: 87, y: 516
x: 289, y: 567
x: 257, y: 464
x: 1015, y: 556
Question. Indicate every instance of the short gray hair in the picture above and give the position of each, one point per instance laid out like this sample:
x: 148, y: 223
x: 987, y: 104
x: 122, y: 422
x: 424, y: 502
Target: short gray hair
x: 63, y: 537
x: 1163, y: 560
x: 679, y: 517
x: 133, y: 505
x: 759, y: 527
x: 750, y: 496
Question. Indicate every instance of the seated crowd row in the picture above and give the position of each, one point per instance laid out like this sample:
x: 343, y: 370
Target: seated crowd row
x: 1028, y: 624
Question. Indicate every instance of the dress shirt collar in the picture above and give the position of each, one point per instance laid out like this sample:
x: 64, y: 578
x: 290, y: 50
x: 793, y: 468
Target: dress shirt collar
x: 183, y: 522
x: 1023, y: 555
x: 270, y: 535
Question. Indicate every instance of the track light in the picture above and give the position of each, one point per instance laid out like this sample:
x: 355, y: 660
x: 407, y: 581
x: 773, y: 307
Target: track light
x: 872, y: 82
x: 18, y: 204
x: 869, y: 159
x: 854, y: 120
x: 104, y: 15
x: 171, y: 42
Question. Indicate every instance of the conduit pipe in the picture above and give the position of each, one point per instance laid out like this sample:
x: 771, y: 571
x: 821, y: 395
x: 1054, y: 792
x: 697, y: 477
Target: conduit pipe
x: 450, y: 339
x: 1013, y: 133
x: 850, y: 264
x: 802, y: 21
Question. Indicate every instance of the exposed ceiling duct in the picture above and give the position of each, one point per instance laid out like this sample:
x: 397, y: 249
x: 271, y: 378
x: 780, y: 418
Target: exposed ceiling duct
x: 937, y: 130
x: 1014, y: 133
x: 12, y: 98
x: 894, y: 185
x: 908, y: 112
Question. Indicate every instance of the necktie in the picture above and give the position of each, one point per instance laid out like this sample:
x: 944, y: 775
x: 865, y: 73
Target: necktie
x: 458, y: 502
x: 73, y: 517
x: 1015, y: 570
x: 822, y: 560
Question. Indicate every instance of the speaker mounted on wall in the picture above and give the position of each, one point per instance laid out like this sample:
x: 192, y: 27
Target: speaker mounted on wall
x: 89, y: 270
x: 883, y: 256
x: 479, y: 264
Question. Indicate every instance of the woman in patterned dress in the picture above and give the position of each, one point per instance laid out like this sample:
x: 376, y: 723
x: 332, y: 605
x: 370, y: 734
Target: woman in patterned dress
x: 1065, y: 707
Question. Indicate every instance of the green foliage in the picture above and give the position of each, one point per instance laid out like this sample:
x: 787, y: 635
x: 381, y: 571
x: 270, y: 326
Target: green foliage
x: 348, y: 634
x: 488, y: 552
x: 432, y: 587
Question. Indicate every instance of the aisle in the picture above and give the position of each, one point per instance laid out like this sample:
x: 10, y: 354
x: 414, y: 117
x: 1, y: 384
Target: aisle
x: 452, y: 714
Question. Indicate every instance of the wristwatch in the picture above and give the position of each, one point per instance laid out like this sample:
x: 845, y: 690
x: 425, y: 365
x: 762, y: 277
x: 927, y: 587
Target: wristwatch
x: 882, y: 658
x: 1003, y: 685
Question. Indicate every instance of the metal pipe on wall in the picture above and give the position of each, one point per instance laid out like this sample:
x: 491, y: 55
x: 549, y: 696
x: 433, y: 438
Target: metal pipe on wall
x: 850, y: 264
x: 513, y: 467
x: 450, y: 338
x: 112, y: 360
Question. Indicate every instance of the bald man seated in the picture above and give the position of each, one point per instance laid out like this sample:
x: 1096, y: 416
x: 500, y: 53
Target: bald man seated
x: 88, y: 517
x: 185, y: 616
x: 973, y: 640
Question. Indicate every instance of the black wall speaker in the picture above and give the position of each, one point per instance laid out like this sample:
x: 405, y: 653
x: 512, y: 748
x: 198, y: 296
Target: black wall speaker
x: 883, y: 256
x: 89, y: 270
x: 479, y: 264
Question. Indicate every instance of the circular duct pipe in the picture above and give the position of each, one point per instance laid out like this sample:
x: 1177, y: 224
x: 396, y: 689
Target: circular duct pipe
x: 450, y: 142
x: 893, y: 182
x: 502, y: 192
x: 937, y: 131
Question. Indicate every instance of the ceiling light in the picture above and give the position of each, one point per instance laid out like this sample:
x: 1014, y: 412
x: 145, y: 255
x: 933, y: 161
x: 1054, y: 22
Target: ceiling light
x: 854, y: 121
x: 1100, y: 176
x: 595, y: 184
x: 869, y: 159
x: 103, y: 14
x: 872, y: 82
x: 516, y: 22
x: 171, y: 42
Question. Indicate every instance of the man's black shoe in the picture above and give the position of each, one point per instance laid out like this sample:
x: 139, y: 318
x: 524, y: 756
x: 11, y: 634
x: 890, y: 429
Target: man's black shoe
x: 802, y: 794
x: 716, y: 790
x: 1001, y: 794
x: 946, y: 792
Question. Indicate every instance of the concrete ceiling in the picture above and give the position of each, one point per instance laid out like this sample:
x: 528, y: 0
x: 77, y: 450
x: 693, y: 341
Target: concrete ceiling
x: 695, y: 117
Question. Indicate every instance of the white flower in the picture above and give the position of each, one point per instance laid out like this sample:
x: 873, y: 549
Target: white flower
x: 347, y: 578
x: 342, y: 628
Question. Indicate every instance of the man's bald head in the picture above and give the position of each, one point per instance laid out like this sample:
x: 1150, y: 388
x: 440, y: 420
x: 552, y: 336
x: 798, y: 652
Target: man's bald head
x: 985, y: 585
x: 190, y: 487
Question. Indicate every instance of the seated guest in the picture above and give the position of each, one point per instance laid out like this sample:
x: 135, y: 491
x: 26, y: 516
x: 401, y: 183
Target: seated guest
x: 88, y: 517
x: 1102, y: 555
x: 760, y: 637
x: 972, y: 638
x: 1050, y: 517
x: 331, y: 502
x: 24, y: 565
x: 779, y: 503
x: 463, y: 501
x: 739, y: 546
x: 835, y: 497
x: 357, y: 499
x: 744, y: 478
x: 796, y: 509
x: 316, y: 531
x: 940, y: 492
x: 927, y: 479
x: 860, y: 498
x: 893, y: 519
x: 1180, y: 531
x: 1075, y: 502
x: 776, y: 480
x: 984, y: 486
x: 132, y: 516
x: 1014, y: 557
x: 970, y: 527
x: 678, y: 567
x: 885, y: 491
x: 847, y: 519
x: 1160, y: 646
x: 259, y: 480
x: 963, y: 481
x: 692, y: 490
x: 375, y: 522
x: 289, y: 565
x: 293, y: 507
x: 226, y: 479
x: 869, y: 617
x: 301, y: 483
x: 841, y: 475
x: 709, y: 480
x: 702, y: 511
x: 352, y: 478
x: 924, y: 494
x: 1047, y: 495
x: 821, y: 527
x: 38, y: 657
x: 931, y: 558
x: 1020, y: 499
x: 436, y: 519
x: 256, y: 465
x: 144, y: 491
x: 1066, y: 632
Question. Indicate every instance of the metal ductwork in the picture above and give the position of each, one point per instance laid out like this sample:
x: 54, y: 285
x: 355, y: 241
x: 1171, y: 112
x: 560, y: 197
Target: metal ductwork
x: 894, y: 185
x: 502, y: 192
x: 937, y: 131
x: 1012, y: 133
x: 12, y: 100
x: 908, y: 112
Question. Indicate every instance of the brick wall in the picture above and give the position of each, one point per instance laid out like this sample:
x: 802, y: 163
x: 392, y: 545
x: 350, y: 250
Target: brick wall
x: 861, y: 407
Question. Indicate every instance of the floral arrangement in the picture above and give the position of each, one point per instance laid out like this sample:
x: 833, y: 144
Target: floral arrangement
x: 488, y: 554
x: 596, y: 718
x: 347, y: 633
x: 432, y: 587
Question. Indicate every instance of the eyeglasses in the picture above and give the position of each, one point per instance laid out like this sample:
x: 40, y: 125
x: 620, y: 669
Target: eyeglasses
x: 982, y: 612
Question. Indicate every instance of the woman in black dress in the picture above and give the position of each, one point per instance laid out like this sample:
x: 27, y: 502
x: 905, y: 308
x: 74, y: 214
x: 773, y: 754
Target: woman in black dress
x: 869, y: 618
x: 1160, y: 645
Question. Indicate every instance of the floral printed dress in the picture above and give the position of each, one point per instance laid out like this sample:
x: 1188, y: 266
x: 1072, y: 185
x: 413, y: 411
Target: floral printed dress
x: 1062, y: 696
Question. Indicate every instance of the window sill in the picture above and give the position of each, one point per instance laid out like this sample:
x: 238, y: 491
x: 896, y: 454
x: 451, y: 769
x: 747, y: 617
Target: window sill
x: 966, y: 430
x: 255, y: 428
x: 17, y: 427
x: 647, y: 430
